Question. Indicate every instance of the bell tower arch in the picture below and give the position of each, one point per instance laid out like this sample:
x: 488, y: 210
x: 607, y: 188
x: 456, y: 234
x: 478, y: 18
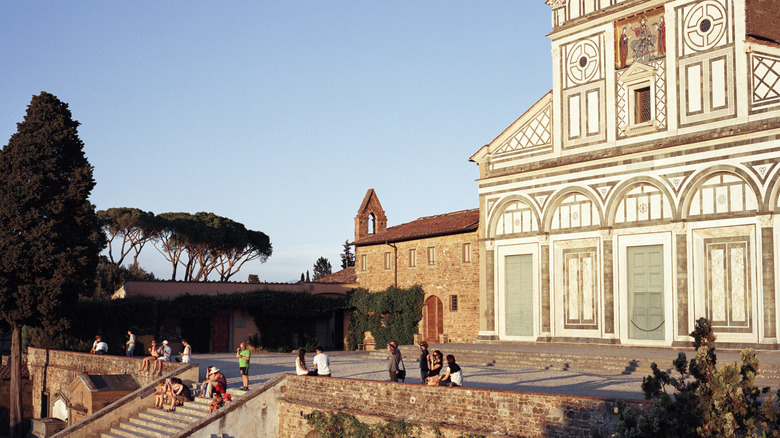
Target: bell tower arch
x: 370, y: 217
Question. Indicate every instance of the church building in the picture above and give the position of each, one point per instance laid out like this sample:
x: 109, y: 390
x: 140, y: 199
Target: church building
x: 439, y: 253
x: 643, y: 191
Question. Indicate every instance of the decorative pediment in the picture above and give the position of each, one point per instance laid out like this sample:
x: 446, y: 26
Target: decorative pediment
x: 533, y: 130
x: 638, y: 72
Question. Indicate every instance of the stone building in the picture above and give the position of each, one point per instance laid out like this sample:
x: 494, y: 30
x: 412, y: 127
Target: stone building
x: 643, y: 191
x: 437, y: 252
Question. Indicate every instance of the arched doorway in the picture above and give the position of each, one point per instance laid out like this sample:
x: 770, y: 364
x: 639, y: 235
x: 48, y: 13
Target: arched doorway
x: 433, y: 319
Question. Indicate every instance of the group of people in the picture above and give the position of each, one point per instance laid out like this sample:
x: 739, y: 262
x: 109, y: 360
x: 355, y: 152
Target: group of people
x: 163, y: 353
x: 174, y: 390
x: 431, y: 366
x: 321, y: 364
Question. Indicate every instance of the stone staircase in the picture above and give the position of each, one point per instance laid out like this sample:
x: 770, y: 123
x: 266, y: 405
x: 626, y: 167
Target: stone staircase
x: 593, y: 361
x: 156, y: 423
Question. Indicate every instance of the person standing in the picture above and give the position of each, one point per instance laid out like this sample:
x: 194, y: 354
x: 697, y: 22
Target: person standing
x: 394, y: 362
x: 424, y: 361
x: 322, y: 363
x: 243, y: 354
x: 130, y: 343
x: 185, y: 354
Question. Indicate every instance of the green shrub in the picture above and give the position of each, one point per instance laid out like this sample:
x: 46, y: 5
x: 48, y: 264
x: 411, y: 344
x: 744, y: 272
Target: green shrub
x: 703, y: 401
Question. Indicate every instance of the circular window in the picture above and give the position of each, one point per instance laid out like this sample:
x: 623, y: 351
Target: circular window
x: 583, y: 61
x: 705, y: 25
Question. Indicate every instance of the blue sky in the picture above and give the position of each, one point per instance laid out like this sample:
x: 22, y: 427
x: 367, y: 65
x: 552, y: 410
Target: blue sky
x: 280, y: 115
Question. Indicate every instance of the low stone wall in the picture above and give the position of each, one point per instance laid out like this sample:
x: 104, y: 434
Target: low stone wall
x: 254, y: 414
x: 454, y: 410
x: 52, y: 371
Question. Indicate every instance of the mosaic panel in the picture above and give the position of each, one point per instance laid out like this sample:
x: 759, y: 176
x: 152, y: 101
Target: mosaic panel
x: 640, y: 38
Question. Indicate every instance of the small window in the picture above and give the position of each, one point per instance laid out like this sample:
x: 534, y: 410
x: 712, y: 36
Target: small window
x: 363, y: 263
x: 643, y: 105
x: 453, y: 303
x: 431, y: 255
x: 467, y: 252
x: 412, y: 258
x: 388, y: 261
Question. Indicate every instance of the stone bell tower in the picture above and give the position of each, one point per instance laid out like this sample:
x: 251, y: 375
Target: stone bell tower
x: 370, y: 217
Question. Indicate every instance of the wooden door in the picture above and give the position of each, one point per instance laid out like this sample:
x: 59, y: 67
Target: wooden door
x: 220, y: 333
x: 434, y: 319
x: 646, y: 318
x: 519, y: 295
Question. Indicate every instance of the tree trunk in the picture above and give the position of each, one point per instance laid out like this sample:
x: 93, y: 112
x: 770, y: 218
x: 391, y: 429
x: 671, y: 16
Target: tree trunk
x: 16, y: 383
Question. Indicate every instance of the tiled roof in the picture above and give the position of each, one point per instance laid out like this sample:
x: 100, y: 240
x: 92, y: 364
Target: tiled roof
x: 344, y: 276
x: 440, y: 225
x: 113, y: 382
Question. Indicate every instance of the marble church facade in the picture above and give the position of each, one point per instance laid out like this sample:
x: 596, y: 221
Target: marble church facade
x: 643, y: 191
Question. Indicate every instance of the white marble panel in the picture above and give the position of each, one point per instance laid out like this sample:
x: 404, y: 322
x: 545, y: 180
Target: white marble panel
x: 738, y: 287
x: 592, y: 99
x: 718, y: 287
x: 693, y: 74
x: 574, y: 116
x: 588, y: 289
x: 573, y: 292
x: 718, y: 75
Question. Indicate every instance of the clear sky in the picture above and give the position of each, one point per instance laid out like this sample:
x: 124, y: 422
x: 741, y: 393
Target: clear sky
x: 279, y: 114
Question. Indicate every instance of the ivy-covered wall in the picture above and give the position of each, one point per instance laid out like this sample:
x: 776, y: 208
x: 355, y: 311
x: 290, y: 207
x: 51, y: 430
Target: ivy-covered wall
x: 392, y: 314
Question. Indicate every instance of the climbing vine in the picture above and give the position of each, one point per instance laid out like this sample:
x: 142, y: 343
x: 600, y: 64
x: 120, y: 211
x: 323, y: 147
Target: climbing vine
x: 392, y: 314
x: 343, y: 425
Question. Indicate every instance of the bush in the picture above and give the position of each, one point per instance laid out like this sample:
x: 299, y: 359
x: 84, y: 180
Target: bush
x: 704, y: 401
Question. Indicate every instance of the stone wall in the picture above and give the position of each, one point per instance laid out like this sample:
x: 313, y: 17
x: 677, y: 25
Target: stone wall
x: 454, y: 410
x: 448, y: 276
x: 52, y: 371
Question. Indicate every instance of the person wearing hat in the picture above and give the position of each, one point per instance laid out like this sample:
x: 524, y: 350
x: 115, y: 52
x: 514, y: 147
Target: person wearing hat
x: 165, y: 356
x: 215, y: 382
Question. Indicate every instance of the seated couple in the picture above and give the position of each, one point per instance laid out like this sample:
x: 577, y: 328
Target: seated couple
x: 452, y: 377
x: 321, y: 364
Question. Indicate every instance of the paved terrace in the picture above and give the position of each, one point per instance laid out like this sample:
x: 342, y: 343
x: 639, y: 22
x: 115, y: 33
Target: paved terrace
x: 576, y: 369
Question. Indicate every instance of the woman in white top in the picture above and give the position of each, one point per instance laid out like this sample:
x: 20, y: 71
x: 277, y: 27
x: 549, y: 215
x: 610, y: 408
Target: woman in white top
x: 300, y: 363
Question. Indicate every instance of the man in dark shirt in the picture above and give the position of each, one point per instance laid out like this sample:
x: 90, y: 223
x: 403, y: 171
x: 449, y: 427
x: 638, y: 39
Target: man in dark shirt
x: 423, y: 361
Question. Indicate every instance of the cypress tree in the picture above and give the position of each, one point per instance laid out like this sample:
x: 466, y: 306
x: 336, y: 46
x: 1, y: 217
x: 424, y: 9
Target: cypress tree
x: 50, y: 236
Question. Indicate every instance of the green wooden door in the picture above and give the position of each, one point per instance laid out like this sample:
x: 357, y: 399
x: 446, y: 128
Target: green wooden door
x: 519, y: 298
x: 646, y: 318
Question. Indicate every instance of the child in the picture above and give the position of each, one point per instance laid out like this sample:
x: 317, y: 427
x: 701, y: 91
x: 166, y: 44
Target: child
x: 159, y: 394
x: 216, y: 403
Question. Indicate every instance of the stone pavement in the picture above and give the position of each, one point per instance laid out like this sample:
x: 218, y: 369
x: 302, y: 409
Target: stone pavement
x: 363, y: 365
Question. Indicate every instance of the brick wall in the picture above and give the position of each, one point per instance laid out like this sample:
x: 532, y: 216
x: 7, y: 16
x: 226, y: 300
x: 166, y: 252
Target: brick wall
x: 456, y: 410
x: 763, y: 19
x: 448, y: 276
x: 52, y: 371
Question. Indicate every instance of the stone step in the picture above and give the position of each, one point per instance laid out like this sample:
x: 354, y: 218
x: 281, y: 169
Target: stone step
x: 144, y: 429
x: 109, y: 435
x: 155, y: 425
x: 562, y: 361
x: 120, y: 431
x: 168, y: 418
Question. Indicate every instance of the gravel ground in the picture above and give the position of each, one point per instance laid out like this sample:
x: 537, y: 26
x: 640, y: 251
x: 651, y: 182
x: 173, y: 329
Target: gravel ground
x: 359, y: 365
